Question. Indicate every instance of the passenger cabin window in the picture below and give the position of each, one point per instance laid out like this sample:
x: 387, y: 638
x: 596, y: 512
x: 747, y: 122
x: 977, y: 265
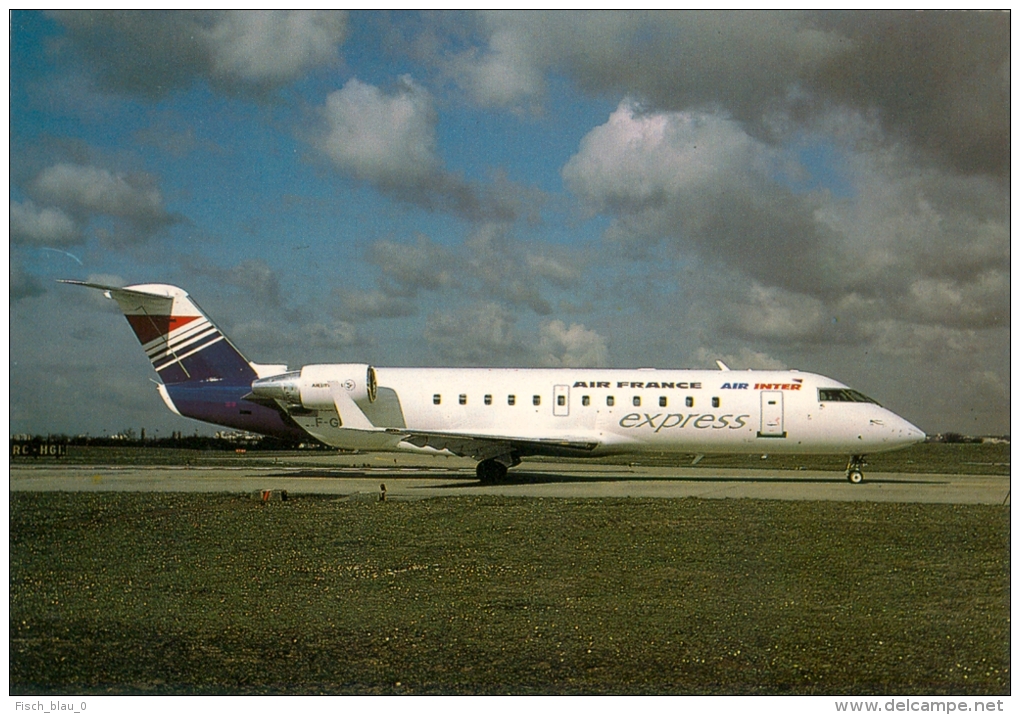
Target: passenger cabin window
x: 488, y: 399
x: 689, y: 402
x: 436, y: 399
x: 842, y: 394
x: 536, y: 400
x: 511, y: 399
x: 637, y: 400
x: 585, y: 400
x: 463, y: 399
x: 663, y: 401
x: 715, y: 402
x: 610, y: 400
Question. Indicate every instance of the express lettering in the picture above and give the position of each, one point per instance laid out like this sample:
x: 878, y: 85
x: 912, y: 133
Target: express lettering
x: 696, y: 420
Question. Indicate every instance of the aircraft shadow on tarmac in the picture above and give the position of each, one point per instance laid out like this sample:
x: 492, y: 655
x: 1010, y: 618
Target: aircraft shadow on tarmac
x: 523, y: 478
x: 465, y: 479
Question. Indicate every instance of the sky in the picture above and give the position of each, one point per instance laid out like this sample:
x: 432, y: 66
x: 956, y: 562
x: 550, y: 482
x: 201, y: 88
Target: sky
x: 826, y: 192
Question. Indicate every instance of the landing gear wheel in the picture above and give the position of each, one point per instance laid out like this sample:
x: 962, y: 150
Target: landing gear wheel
x: 854, y: 467
x: 490, y: 471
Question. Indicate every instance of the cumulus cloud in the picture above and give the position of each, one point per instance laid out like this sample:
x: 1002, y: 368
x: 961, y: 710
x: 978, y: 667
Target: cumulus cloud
x: 775, y: 315
x: 937, y: 81
x: 981, y: 303
x: 576, y: 346
x: 22, y: 285
x: 86, y: 192
x: 933, y: 246
x: 700, y: 182
x: 257, y: 279
x: 273, y: 46
x: 356, y: 306
x: 505, y: 72
x: 494, y: 263
x: 915, y: 244
x: 44, y: 226
x: 409, y: 267
x: 152, y: 53
x: 482, y: 334
x: 903, y: 339
x: 678, y: 60
x: 640, y: 159
x: 557, y: 270
x: 266, y: 337
x: 486, y: 334
x: 388, y: 139
x: 744, y: 359
x: 835, y: 178
x: 489, y: 265
x: 385, y: 139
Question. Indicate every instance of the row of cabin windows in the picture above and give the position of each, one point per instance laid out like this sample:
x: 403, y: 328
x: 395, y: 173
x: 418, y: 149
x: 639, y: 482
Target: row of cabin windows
x: 561, y: 400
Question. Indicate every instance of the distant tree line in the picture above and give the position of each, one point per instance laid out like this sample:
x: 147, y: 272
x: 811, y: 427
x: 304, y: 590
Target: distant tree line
x: 957, y: 438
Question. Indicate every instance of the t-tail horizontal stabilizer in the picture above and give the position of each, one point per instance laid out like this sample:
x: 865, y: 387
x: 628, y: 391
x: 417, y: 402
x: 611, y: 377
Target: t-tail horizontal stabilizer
x: 183, y: 345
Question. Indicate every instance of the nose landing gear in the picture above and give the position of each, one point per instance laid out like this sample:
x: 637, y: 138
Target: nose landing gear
x: 854, y: 475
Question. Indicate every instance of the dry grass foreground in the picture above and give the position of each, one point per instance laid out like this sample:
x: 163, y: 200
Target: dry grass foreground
x: 189, y: 593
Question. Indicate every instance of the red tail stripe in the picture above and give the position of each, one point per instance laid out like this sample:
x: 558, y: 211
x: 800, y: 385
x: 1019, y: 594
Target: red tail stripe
x: 150, y: 327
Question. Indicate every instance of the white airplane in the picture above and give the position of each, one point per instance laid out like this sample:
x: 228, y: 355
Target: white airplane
x: 498, y: 416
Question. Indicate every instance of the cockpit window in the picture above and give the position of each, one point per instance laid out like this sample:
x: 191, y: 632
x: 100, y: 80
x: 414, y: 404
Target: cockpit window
x: 842, y: 394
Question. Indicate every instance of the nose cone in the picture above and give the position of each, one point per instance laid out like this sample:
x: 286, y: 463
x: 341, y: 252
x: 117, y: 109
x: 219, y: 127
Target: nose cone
x: 905, y: 434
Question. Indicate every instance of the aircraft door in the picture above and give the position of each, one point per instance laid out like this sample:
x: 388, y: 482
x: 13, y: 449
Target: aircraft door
x: 561, y: 400
x: 772, y: 415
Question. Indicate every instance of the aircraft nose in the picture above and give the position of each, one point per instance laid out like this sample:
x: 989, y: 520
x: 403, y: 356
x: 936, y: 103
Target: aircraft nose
x: 894, y: 432
x: 908, y: 433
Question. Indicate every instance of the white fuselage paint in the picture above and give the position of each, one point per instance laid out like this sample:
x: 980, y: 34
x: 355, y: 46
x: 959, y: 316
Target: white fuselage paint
x: 468, y: 411
x: 704, y: 411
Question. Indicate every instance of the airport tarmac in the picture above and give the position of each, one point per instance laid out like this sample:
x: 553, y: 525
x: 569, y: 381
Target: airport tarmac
x: 421, y: 478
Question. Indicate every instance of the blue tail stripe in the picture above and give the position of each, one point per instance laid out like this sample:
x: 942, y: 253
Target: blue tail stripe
x: 220, y: 361
x: 185, y: 351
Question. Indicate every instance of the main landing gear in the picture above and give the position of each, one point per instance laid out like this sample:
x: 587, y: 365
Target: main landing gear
x: 854, y: 475
x: 493, y: 471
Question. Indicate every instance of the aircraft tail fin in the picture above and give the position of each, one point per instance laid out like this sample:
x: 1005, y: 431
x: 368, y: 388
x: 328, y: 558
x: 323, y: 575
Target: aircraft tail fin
x: 183, y: 345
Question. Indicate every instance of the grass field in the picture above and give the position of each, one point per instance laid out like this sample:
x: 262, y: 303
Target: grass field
x: 936, y: 458
x: 187, y: 593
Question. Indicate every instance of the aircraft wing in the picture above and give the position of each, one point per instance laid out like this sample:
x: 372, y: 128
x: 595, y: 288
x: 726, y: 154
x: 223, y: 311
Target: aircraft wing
x: 482, y: 447
x: 475, y: 445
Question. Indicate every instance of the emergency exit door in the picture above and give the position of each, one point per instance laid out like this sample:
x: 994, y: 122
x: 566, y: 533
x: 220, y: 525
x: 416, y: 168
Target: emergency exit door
x: 772, y: 415
x: 561, y: 400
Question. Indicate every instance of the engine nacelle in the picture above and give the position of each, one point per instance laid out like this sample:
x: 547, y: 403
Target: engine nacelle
x: 311, y: 388
x: 317, y: 381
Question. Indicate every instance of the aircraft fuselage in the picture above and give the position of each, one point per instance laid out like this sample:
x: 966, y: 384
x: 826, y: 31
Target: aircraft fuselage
x: 702, y: 411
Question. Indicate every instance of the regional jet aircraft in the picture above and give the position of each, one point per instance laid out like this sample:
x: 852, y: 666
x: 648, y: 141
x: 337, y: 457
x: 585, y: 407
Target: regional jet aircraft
x: 499, y: 416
